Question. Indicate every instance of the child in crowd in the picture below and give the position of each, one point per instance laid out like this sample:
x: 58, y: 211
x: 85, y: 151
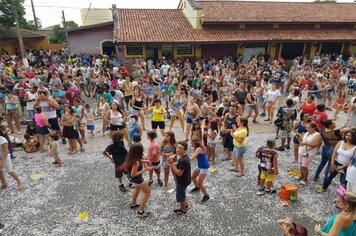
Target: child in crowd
x: 212, y: 141
x: 89, y: 115
x: 339, y: 104
x: 134, y: 128
x: 168, y: 148
x: 117, y: 154
x: 153, y: 156
x: 268, y: 167
x: 136, y: 138
x: 203, y: 169
x: 137, y: 167
x: 31, y: 129
x: 31, y: 144
x: 196, y: 132
x: 53, y: 150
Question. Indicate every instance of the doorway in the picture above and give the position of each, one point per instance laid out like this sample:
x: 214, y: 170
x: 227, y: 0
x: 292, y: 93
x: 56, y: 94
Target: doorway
x: 152, y: 52
x: 108, y: 48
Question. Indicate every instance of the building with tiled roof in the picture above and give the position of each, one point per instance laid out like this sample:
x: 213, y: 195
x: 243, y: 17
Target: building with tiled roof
x: 200, y: 28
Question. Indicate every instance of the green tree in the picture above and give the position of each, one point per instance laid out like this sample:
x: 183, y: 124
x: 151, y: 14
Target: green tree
x: 59, y: 36
x: 30, y: 25
x: 9, y: 9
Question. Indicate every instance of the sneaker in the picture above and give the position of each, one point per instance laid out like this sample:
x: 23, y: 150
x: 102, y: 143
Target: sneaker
x: 135, y: 206
x: 287, y: 147
x: 273, y: 190
x: 195, y: 189
x: 64, y: 141
x: 321, y: 190
x: 143, y: 214
x: 122, y: 188
x: 268, y: 191
x: 205, y: 198
x: 179, y: 212
x: 131, y: 185
x: 260, y: 191
x: 276, y: 137
x: 150, y: 182
x: 279, y: 149
x: 160, y: 182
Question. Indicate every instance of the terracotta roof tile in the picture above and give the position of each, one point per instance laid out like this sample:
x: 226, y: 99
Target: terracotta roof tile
x: 171, y: 26
x: 264, y: 12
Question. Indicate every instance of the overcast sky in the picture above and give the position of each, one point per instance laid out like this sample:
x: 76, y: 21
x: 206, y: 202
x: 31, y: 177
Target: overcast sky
x: 50, y: 11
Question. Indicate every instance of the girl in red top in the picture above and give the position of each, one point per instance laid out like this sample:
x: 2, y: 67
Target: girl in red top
x: 339, y: 104
x: 309, y: 106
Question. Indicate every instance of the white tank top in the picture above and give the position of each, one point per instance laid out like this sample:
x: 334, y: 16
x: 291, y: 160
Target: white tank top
x: 117, y: 120
x: 47, y: 110
x: 29, y: 105
x: 344, y: 156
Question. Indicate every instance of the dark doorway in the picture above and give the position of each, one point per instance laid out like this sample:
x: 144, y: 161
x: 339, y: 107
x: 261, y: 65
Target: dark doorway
x: 219, y: 51
x: 292, y: 50
x: 331, y: 47
x: 152, y: 52
x: 108, y: 48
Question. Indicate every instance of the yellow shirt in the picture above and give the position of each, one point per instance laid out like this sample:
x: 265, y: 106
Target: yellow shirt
x: 240, y: 133
x: 157, y: 115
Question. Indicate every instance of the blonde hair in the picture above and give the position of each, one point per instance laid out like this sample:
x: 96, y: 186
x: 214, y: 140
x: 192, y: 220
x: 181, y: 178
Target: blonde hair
x: 351, y: 197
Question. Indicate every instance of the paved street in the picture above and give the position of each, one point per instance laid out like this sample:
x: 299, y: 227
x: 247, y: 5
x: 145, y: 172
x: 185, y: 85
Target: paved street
x: 51, y: 204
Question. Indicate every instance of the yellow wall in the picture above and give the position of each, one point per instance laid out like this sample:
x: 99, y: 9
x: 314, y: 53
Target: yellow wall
x: 32, y: 44
x: 352, y: 47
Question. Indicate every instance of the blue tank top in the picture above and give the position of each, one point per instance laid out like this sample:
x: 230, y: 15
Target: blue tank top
x: 301, y: 128
x: 351, y: 230
x: 203, y: 161
x: 133, y: 130
x: 177, y: 103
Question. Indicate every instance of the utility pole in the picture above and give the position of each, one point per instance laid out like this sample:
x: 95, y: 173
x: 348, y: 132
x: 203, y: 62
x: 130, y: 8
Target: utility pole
x: 34, y: 15
x: 66, y: 31
x: 19, y: 36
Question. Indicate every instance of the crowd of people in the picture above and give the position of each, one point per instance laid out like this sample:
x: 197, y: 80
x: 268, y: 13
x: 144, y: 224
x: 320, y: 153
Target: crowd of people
x: 213, y: 101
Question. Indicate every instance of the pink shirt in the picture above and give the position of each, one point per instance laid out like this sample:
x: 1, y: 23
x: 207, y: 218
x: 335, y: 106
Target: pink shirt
x: 153, y: 152
x: 38, y: 120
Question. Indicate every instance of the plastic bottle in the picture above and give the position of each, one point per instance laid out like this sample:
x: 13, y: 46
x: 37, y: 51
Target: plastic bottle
x: 293, y: 196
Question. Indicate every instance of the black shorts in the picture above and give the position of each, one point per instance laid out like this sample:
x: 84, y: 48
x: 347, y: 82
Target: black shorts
x: 70, y: 133
x: 128, y: 98
x: 119, y: 170
x: 22, y: 102
x: 54, y: 123
x: 159, y: 124
x: 180, y: 193
x: 117, y: 127
x: 229, y: 142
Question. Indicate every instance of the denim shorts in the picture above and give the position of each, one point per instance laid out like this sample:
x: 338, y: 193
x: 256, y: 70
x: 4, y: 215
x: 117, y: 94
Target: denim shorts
x: 239, y: 151
x: 203, y: 171
x: 180, y: 193
x: 90, y: 127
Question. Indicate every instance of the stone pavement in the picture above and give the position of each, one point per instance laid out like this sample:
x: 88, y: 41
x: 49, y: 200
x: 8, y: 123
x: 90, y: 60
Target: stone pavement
x: 85, y: 183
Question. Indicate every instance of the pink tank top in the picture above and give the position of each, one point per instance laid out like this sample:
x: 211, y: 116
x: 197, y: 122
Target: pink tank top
x: 38, y: 120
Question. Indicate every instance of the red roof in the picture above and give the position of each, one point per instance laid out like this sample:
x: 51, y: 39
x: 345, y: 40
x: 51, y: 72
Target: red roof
x: 146, y: 26
x: 270, y: 12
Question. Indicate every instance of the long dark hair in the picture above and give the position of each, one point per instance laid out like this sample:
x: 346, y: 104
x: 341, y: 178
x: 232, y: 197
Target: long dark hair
x: 214, y: 125
x: 244, y: 123
x: 172, y: 138
x: 196, y: 143
x: 135, y: 154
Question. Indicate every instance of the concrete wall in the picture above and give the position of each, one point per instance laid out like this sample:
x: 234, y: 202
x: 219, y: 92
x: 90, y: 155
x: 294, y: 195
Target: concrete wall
x: 95, y: 16
x: 89, y: 41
